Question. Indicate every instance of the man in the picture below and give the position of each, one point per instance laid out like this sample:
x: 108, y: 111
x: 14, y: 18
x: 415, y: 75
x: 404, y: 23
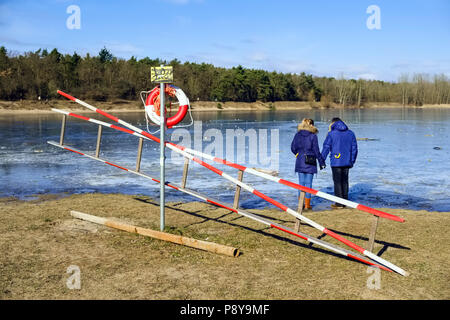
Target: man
x: 341, y: 144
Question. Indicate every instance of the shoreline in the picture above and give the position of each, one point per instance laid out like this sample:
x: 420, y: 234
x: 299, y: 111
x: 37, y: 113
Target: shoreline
x: 43, y: 197
x: 50, y: 196
x: 122, y: 106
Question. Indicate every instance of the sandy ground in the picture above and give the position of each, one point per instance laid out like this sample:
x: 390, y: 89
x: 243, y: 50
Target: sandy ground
x: 28, y: 106
x: 39, y: 240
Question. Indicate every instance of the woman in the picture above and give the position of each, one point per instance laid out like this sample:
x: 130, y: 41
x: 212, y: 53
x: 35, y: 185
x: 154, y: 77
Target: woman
x: 305, y: 146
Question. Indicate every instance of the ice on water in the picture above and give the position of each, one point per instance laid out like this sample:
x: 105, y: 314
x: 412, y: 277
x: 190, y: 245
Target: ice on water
x: 399, y: 165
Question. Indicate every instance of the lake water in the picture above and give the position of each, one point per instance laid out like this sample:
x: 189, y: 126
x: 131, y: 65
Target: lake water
x: 404, y: 164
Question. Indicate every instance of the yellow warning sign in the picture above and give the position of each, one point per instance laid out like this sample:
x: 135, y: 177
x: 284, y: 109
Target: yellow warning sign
x: 162, y: 74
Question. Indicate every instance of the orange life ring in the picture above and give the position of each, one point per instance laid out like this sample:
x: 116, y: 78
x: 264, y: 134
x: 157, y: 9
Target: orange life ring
x: 152, y: 105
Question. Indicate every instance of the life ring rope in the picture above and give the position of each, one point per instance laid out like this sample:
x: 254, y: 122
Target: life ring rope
x: 157, y: 101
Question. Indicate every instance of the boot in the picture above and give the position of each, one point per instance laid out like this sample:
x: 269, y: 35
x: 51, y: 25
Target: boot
x: 337, y: 206
x: 307, y: 204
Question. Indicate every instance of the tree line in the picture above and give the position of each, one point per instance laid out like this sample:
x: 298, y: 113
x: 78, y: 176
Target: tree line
x: 106, y: 77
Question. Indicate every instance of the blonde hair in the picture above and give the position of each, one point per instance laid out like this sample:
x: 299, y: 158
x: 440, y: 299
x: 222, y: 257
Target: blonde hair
x: 308, y: 121
x: 307, y: 124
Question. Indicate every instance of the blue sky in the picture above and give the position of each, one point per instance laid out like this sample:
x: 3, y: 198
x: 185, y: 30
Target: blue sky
x: 322, y: 37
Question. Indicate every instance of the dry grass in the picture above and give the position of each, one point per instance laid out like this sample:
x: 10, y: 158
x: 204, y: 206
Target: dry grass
x: 39, y: 240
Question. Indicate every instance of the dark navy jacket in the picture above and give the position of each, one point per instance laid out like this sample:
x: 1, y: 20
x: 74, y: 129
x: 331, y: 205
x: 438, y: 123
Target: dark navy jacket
x: 341, y: 144
x: 305, y: 142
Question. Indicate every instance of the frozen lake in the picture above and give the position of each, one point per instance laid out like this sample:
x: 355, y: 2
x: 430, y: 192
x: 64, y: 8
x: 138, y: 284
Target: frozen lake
x: 405, y: 163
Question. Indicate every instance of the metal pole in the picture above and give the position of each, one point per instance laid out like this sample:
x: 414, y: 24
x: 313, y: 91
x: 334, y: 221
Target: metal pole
x: 162, y: 156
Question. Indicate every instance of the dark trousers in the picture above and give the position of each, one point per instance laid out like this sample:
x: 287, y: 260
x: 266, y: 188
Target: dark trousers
x: 340, y: 179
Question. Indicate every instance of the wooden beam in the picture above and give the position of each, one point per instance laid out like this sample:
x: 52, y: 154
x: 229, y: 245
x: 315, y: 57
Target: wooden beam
x: 139, y: 155
x: 190, y: 242
x: 99, y: 141
x: 238, y: 190
x: 373, y: 231
x: 185, y: 172
x: 63, y: 130
x: 301, y: 200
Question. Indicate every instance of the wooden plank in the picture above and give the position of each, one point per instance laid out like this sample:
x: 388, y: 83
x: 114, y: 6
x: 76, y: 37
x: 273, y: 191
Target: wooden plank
x: 373, y: 231
x: 63, y: 130
x: 301, y: 200
x: 139, y: 155
x: 238, y: 190
x: 99, y: 141
x: 185, y: 172
x: 190, y: 242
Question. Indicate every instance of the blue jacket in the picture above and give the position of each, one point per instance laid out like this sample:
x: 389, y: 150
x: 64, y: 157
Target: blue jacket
x: 306, y: 142
x: 341, y: 144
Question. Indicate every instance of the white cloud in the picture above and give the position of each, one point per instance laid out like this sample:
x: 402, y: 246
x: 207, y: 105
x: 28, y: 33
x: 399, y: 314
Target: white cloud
x: 182, y: 2
x: 367, y: 76
x: 122, y: 50
x: 258, y: 57
x: 183, y: 20
x: 222, y: 46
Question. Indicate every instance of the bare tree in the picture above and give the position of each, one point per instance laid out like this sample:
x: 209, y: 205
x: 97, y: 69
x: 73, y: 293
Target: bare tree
x: 403, y: 81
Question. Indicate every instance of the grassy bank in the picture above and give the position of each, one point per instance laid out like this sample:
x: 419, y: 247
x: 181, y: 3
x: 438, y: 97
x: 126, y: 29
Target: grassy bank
x: 39, y: 240
x: 29, y: 106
